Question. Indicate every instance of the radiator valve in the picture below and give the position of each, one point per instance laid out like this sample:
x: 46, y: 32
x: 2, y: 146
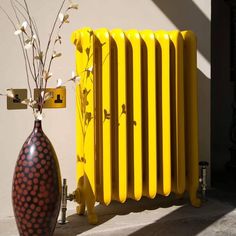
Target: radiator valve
x: 203, y: 178
x: 64, y: 200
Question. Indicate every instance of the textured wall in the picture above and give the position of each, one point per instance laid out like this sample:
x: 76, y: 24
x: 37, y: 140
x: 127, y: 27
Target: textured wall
x: 59, y: 125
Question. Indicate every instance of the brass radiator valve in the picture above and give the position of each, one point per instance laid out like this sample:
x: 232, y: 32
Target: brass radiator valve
x: 203, y: 178
x: 65, y: 198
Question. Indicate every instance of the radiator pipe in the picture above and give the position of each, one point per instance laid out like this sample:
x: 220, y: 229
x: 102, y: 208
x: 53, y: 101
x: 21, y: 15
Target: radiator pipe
x: 64, y: 200
x: 203, y: 178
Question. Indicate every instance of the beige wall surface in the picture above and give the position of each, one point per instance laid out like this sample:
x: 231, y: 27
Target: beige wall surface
x: 59, y: 125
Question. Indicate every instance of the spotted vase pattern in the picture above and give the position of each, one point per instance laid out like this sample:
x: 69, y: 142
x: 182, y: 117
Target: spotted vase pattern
x: 36, y: 192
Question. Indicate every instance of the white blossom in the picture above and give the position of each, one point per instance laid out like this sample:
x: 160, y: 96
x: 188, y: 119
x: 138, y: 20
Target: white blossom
x: 10, y: 93
x: 38, y: 115
x: 39, y: 57
x: 74, y: 6
x: 63, y: 18
x: 78, y: 78
x: 22, y: 28
x: 90, y: 69
x: 74, y: 77
x: 59, y: 83
x: 30, y: 102
x: 48, y: 95
x: 47, y: 75
x: 56, y: 54
x: 28, y: 45
x: 42, y: 94
x: 30, y: 42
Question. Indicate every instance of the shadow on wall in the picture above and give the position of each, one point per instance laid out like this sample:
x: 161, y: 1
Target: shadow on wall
x: 186, y: 15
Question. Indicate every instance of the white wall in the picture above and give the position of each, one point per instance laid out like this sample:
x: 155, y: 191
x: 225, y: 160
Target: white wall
x: 59, y: 125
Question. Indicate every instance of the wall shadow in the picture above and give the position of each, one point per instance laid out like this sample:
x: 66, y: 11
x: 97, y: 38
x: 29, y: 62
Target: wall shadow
x: 187, y: 16
x: 215, y: 95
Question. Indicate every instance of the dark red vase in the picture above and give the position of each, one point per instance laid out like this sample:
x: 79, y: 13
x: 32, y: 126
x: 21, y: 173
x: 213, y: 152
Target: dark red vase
x: 36, y: 191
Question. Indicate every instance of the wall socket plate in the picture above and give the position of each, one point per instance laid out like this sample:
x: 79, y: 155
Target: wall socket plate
x: 15, y: 103
x: 57, y: 101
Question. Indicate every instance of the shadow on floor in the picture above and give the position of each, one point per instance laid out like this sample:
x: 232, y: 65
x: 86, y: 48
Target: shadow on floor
x: 224, y: 182
x: 79, y: 224
x: 185, y: 220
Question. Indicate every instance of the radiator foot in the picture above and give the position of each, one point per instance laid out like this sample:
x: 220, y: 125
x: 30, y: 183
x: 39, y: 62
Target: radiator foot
x: 195, y: 202
x: 80, y: 210
x: 85, y: 198
x: 92, y: 219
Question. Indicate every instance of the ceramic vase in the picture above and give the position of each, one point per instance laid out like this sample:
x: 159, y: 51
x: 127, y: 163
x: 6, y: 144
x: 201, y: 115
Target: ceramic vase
x: 36, y: 191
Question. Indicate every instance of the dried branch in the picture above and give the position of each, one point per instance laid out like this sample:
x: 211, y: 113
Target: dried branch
x: 52, y: 31
x: 22, y: 47
x: 39, y: 67
x: 35, y: 28
x: 32, y: 35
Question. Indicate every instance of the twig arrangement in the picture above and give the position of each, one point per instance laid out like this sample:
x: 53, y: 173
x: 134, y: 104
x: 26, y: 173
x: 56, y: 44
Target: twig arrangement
x: 38, y: 62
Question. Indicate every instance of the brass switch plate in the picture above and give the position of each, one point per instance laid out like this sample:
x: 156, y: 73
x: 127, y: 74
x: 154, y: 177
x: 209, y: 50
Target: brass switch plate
x: 57, y: 101
x: 15, y: 103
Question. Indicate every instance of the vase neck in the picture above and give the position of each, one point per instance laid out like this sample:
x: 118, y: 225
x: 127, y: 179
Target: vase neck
x: 37, y: 125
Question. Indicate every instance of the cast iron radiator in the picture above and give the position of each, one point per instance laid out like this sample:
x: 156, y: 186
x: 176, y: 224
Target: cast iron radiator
x: 136, y: 115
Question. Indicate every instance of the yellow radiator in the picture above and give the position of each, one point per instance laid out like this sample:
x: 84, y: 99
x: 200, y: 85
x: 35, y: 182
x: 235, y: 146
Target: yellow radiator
x: 136, y: 116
